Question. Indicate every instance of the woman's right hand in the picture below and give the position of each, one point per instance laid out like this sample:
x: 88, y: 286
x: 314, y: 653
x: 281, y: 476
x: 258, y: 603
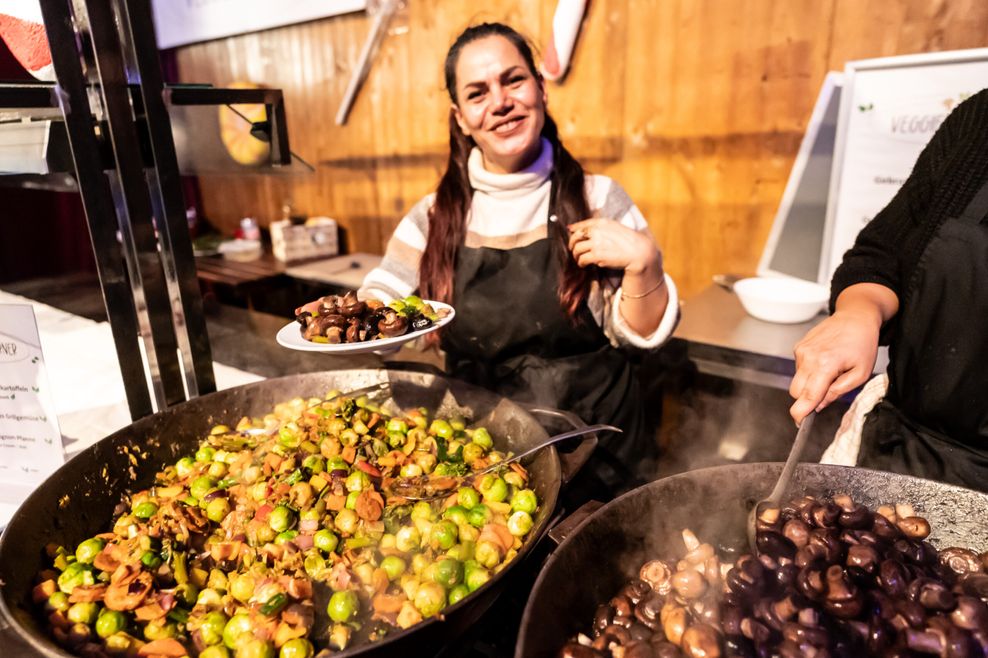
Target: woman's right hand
x: 838, y: 355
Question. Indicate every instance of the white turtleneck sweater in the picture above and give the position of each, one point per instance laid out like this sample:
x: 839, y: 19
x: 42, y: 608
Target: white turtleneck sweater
x: 510, y: 211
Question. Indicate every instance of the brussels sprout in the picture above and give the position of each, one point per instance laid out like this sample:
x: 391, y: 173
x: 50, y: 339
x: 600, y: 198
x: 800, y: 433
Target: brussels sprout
x: 242, y: 587
x: 255, y: 648
x: 457, y: 514
x: 397, y: 425
x: 205, y: 454
x: 209, y: 599
x: 423, y: 510
x: 75, y: 575
x: 514, y: 479
x: 358, y: 481
x: 346, y: 521
x: 314, y: 464
x: 472, y: 452
x: 281, y: 518
x: 462, y: 551
x: 185, y: 466
x: 58, y: 601
x: 217, y: 469
x: 265, y: 534
x: 343, y: 605
x: 87, y: 551
x: 420, y: 562
x: 443, y: 535
x: 145, y: 510
x: 79, y: 634
x: 480, y: 515
x: 476, y: 577
x: 449, y: 573
x: 442, y: 429
x: 410, y: 470
x: 430, y: 598
x: 468, y: 497
x: 519, y: 524
x: 406, y: 539
x: 160, y: 631
x: 325, y: 540
x: 201, y: 486
x: 285, y: 536
x: 487, y: 554
x: 238, y: 629
x: 351, y: 500
x: 217, y: 509
x: 83, y: 612
x: 524, y: 500
x: 482, y: 438
x: 215, y: 651
x: 258, y: 491
x: 211, y: 628
x: 288, y: 436
x: 457, y: 594
x: 297, y: 648
x: 394, y: 566
x: 337, y: 464
x: 493, y: 488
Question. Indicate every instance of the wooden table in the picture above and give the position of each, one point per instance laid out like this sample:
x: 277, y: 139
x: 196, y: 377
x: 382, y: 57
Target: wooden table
x: 222, y: 278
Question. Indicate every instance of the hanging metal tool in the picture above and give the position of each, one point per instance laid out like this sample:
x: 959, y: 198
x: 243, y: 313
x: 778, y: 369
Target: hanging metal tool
x: 386, y: 9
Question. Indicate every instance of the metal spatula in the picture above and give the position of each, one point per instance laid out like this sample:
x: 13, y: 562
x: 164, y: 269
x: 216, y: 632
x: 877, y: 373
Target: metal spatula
x: 782, y: 486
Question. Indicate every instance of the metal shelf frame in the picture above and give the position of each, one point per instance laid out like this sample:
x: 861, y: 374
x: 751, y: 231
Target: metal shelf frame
x: 113, y: 102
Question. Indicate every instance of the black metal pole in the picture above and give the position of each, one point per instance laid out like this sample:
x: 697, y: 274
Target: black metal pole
x: 167, y: 199
x: 134, y: 208
x: 97, y: 200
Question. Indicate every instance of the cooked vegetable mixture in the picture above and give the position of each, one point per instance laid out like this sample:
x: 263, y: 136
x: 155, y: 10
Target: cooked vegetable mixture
x: 276, y: 538
x: 338, y: 319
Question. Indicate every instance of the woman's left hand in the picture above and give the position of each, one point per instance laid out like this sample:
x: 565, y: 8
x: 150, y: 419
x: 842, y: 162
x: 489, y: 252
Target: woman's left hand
x: 606, y: 243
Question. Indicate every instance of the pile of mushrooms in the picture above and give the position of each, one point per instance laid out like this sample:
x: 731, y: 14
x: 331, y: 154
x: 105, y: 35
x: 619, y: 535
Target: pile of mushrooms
x: 831, y: 578
x: 345, y: 319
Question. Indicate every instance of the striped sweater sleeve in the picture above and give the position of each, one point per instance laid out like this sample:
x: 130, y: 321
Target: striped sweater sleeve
x: 609, y: 200
x: 398, y: 274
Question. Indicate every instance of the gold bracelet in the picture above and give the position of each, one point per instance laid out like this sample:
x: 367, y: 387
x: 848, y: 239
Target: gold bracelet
x: 648, y: 292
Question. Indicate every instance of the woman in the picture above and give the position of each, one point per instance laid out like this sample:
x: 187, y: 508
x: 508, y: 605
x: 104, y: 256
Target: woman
x: 915, y: 279
x: 552, y: 272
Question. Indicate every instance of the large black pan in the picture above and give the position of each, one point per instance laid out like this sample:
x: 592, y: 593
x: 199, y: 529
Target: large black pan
x: 77, y: 500
x: 604, y: 551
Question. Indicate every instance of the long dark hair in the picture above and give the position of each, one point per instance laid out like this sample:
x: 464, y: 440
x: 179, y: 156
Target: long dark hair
x: 447, y: 217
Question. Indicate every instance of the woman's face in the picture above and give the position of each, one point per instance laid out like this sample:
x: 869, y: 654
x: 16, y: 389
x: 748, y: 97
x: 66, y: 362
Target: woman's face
x: 500, y: 103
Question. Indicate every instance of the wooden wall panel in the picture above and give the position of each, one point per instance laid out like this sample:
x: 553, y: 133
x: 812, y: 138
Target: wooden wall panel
x: 696, y: 107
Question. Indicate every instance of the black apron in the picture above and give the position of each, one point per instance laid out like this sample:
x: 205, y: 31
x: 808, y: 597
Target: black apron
x: 511, y: 336
x: 933, y: 421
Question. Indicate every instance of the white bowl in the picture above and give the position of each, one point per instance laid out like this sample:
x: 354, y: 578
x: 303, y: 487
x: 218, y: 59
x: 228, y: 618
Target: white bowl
x: 787, y: 301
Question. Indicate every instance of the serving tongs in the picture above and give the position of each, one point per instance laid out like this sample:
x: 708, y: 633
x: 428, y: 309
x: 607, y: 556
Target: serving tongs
x: 433, y: 488
x: 773, y: 503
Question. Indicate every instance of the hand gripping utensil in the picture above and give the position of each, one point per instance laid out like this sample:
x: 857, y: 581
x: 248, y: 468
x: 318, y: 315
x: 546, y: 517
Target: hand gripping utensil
x: 781, y: 487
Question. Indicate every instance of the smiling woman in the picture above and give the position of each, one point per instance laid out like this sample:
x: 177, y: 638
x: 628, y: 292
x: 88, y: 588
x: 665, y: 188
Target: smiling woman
x: 546, y: 310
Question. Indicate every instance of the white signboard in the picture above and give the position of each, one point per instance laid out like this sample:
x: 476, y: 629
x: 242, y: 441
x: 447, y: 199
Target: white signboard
x: 30, y: 440
x: 178, y: 22
x: 795, y: 243
x: 890, y: 108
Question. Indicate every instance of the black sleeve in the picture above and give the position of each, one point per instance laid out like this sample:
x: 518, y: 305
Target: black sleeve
x: 881, y: 253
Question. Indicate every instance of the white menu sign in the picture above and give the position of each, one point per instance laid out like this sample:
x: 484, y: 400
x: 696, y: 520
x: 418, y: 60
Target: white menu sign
x: 890, y: 108
x: 30, y: 440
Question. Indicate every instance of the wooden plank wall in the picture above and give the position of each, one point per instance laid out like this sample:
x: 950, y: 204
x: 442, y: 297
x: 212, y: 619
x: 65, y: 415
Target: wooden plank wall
x: 696, y: 106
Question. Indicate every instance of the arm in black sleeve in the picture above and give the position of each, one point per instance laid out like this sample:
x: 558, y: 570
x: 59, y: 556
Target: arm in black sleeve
x: 887, y: 249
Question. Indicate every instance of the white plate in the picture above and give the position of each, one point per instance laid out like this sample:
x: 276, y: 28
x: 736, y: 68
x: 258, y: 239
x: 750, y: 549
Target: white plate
x: 290, y: 336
